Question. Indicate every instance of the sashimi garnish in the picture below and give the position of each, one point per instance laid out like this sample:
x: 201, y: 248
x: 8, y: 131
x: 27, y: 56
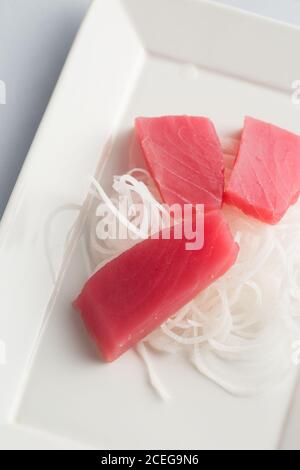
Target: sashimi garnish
x: 138, y: 290
x: 248, y: 317
x: 240, y: 331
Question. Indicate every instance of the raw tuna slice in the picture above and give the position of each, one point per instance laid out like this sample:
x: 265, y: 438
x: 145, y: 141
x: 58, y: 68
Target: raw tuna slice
x: 185, y: 158
x: 265, y: 179
x: 137, y: 291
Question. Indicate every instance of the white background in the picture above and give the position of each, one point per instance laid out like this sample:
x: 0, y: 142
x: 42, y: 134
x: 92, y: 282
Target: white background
x: 35, y: 36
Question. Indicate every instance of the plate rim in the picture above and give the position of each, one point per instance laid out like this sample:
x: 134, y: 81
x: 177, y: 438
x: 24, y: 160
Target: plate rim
x: 11, y: 210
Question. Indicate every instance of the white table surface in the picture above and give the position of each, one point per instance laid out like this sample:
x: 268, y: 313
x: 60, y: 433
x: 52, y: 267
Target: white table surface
x: 35, y: 36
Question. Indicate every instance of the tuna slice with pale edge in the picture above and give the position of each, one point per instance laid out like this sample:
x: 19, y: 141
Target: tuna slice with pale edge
x: 185, y: 159
x: 265, y: 179
x: 137, y: 291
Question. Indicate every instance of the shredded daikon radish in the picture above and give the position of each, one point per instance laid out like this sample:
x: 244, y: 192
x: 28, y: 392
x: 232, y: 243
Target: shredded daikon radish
x: 238, y: 332
x: 250, y: 316
x: 133, y: 193
x: 153, y: 377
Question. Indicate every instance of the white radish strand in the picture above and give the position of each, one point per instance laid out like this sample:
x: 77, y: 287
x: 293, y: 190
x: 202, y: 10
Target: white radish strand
x: 135, y: 192
x: 248, y: 316
x: 117, y: 213
x: 258, y: 331
x: 153, y: 377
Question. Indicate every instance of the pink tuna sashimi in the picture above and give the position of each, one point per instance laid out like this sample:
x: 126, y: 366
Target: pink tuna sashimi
x: 185, y: 158
x: 265, y: 179
x: 137, y: 291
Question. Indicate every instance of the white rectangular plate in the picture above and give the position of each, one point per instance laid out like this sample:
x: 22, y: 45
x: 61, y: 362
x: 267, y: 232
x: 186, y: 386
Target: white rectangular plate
x: 131, y: 57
